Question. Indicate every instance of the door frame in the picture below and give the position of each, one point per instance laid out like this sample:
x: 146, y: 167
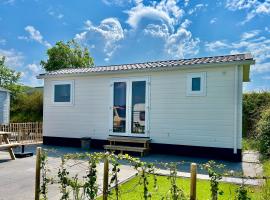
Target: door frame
x: 129, y: 81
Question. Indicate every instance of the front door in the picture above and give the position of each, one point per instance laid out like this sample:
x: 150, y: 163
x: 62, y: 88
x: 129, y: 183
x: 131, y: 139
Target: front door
x: 129, y: 110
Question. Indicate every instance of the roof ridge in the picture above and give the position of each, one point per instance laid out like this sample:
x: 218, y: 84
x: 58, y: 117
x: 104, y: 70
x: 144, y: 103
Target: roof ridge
x: 157, y: 64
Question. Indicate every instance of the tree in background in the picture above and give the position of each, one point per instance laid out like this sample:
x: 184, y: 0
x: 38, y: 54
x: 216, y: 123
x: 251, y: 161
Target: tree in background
x: 26, y: 102
x: 27, y: 107
x: 67, y: 55
x: 9, y: 78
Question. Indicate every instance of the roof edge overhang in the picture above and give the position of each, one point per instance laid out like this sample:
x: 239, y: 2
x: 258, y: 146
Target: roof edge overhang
x: 245, y: 63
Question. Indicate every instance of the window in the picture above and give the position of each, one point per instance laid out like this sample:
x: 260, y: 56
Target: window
x: 196, y: 84
x: 63, y: 92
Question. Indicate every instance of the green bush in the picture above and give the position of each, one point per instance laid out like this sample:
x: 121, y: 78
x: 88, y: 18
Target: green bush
x: 27, y: 107
x: 263, y: 130
x: 253, y: 104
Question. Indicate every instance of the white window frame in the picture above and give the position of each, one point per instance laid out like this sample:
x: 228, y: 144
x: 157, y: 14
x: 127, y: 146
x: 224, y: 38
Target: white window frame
x: 128, y: 132
x: 202, y: 91
x: 71, y: 83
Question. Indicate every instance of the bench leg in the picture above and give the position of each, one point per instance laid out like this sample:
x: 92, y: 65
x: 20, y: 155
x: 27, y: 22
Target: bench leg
x: 11, y: 153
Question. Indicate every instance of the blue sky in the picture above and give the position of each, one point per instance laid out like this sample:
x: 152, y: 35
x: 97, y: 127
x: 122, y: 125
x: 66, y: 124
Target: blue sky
x: 126, y: 31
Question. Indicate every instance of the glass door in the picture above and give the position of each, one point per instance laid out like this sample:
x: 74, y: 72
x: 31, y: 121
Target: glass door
x: 130, y: 107
x: 138, y: 97
x: 119, y: 107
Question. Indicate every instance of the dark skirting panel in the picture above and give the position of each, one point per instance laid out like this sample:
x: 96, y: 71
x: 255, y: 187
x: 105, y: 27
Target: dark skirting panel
x: 205, y: 152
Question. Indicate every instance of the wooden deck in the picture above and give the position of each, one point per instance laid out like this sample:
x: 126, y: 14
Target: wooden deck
x: 128, y: 144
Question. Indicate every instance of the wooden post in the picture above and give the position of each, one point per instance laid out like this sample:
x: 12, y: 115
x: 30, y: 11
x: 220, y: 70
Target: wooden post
x: 193, y: 181
x: 106, y: 178
x: 37, y: 183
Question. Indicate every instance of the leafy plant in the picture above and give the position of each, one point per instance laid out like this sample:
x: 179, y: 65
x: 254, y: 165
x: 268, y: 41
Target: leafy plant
x: 263, y: 128
x: 212, y: 169
x: 242, y: 193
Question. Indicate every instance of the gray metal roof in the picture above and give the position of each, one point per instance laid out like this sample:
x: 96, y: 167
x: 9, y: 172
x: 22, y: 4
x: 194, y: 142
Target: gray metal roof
x: 154, y: 65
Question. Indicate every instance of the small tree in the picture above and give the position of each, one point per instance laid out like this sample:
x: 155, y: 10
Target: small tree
x: 67, y: 55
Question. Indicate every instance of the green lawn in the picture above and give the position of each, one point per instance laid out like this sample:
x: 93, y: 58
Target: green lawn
x: 130, y: 192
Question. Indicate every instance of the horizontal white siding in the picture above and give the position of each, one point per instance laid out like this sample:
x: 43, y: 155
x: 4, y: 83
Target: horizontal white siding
x: 174, y: 117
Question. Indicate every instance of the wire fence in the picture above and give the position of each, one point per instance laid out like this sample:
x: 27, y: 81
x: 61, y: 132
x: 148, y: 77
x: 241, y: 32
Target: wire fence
x: 86, y: 176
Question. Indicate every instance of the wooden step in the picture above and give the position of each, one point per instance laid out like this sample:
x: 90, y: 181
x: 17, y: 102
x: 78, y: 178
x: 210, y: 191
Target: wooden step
x: 122, y: 148
x: 129, y: 139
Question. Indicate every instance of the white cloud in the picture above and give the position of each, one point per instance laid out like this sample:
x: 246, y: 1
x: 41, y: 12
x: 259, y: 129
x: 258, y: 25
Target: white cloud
x: 156, y: 30
x: 34, y: 35
x: 14, y: 59
x: 117, y: 2
x: 182, y: 44
x: 213, y: 46
x: 254, y: 7
x: 166, y: 11
x: 213, y: 21
x: 252, y: 42
x: 196, y: 8
x: 55, y: 14
x: 34, y: 68
x: 109, y: 32
x: 250, y: 34
x: 3, y: 41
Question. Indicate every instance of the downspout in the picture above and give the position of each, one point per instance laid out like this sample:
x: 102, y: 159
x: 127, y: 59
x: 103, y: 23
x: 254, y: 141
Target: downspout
x: 236, y: 85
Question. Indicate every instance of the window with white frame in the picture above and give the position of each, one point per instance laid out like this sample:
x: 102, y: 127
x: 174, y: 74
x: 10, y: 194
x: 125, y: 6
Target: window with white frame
x: 63, y: 92
x: 196, y: 84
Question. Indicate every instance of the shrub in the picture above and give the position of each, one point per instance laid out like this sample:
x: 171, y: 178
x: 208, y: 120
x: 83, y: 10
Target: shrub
x: 253, y: 104
x: 263, y: 129
x: 27, y: 107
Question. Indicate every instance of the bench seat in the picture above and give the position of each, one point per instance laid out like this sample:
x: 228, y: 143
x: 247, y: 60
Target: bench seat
x: 122, y: 148
x: 6, y: 146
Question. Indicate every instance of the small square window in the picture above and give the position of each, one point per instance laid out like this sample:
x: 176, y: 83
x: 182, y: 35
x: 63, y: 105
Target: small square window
x: 196, y: 84
x: 62, y: 93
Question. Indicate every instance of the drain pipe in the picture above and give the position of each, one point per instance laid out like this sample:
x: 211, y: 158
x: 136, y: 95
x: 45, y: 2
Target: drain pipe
x: 236, y: 87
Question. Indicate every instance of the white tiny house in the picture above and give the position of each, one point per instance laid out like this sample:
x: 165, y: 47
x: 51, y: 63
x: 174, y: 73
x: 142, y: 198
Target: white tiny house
x: 4, y: 106
x: 187, y: 106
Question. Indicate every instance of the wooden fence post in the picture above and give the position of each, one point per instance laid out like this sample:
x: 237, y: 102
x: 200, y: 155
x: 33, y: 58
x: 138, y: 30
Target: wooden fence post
x: 193, y: 181
x: 106, y: 178
x: 37, y: 183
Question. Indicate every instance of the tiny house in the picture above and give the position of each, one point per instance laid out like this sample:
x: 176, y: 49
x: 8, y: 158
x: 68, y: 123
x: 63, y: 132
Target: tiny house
x: 187, y: 106
x: 4, y: 105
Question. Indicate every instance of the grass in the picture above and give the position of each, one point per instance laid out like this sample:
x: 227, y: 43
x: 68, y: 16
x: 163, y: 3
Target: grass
x: 249, y: 144
x: 131, y: 190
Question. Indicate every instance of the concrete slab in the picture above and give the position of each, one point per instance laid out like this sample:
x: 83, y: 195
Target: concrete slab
x: 17, y: 177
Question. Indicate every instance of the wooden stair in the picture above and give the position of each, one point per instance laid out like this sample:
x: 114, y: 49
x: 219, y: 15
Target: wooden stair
x: 118, y: 143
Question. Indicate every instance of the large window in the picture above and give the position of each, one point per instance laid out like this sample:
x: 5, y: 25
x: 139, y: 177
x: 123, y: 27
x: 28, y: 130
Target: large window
x: 196, y: 84
x: 63, y: 92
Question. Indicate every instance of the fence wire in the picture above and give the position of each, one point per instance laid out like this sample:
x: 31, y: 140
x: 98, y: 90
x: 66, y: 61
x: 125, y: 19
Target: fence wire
x: 81, y: 177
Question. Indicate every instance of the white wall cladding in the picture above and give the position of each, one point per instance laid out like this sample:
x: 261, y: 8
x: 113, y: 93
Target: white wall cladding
x: 174, y: 117
x: 4, y: 107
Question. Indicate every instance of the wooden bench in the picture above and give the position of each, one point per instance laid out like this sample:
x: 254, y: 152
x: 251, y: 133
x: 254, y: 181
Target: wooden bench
x: 124, y: 141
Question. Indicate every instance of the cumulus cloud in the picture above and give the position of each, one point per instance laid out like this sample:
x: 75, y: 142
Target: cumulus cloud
x: 166, y: 11
x: 181, y: 44
x: 213, y: 46
x: 250, y: 34
x: 109, y: 32
x: 252, y: 42
x: 14, y: 59
x: 254, y: 7
x: 35, y: 35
